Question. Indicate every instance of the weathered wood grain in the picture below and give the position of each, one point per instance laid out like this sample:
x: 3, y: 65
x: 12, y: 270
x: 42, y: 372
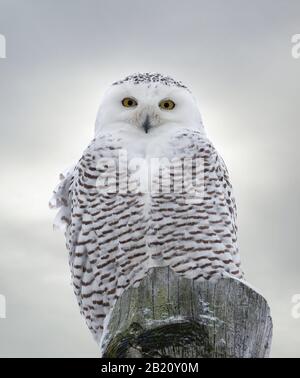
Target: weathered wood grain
x: 171, y: 316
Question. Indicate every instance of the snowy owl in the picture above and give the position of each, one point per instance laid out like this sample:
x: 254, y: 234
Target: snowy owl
x: 116, y: 227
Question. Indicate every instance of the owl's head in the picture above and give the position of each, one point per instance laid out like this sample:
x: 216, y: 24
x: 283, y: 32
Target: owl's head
x: 147, y: 104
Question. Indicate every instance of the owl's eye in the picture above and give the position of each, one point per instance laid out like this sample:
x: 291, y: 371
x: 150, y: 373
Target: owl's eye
x: 167, y: 104
x: 129, y: 102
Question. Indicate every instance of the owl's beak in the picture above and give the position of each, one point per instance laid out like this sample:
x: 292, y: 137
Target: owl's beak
x: 147, y: 124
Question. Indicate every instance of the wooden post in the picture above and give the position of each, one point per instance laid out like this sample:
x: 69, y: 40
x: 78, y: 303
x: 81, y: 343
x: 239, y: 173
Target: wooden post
x: 171, y: 316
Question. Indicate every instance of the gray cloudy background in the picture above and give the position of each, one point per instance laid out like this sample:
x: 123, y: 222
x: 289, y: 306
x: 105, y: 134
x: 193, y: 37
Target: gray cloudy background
x: 235, y: 55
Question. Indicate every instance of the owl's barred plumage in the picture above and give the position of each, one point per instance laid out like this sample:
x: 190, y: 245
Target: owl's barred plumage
x: 115, y: 236
x: 148, y: 77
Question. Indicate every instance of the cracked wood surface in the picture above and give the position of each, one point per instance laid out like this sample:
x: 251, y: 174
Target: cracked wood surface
x: 171, y: 316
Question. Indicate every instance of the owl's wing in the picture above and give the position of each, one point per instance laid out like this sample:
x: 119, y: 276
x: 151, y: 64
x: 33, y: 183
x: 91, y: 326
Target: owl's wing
x: 60, y: 199
x: 197, y: 235
x: 102, y: 234
x: 73, y: 197
x: 226, y: 186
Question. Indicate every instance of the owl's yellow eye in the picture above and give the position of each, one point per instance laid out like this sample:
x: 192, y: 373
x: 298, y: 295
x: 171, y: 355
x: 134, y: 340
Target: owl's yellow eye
x: 129, y: 102
x: 167, y: 104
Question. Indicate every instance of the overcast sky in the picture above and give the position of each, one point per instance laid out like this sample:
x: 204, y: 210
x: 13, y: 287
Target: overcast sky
x: 235, y: 55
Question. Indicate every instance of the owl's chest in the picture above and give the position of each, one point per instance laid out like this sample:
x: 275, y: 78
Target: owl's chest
x: 138, y: 178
